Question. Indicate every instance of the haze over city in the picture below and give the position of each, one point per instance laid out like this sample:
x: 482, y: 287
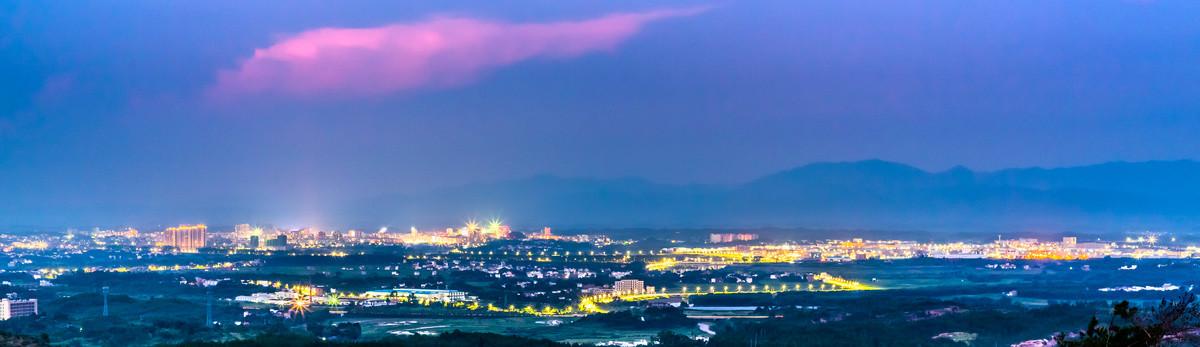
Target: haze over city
x: 151, y: 112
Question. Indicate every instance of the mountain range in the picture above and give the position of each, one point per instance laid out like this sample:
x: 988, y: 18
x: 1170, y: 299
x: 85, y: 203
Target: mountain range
x: 871, y: 194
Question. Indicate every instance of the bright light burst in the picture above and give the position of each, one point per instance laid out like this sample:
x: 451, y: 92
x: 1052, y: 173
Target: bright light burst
x: 299, y: 306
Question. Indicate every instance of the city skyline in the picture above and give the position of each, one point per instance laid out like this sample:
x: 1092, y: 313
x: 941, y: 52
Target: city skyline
x: 1109, y: 198
x: 692, y: 173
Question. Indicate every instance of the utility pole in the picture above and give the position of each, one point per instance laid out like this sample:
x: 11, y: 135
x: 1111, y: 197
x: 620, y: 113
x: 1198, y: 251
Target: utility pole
x: 105, y: 290
x: 208, y: 314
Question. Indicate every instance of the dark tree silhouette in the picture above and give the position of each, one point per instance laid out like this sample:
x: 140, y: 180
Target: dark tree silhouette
x: 667, y: 338
x: 1172, y: 322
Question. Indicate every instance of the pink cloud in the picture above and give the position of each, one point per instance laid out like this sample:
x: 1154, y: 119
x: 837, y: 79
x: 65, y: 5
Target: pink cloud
x: 442, y: 52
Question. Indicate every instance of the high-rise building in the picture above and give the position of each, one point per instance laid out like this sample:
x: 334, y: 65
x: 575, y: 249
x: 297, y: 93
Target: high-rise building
x: 629, y: 286
x: 185, y: 237
x: 279, y: 241
x: 1069, y: 242
x: 17, y: 308
x: 242, y: 230
x: 253, y: 242
x: 724, y: 238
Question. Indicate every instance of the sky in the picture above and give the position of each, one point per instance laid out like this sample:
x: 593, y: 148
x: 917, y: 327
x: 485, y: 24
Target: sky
x: 288, y: 104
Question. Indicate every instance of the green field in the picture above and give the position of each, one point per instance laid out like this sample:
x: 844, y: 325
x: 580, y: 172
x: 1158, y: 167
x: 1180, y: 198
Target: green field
x: 539, y: 327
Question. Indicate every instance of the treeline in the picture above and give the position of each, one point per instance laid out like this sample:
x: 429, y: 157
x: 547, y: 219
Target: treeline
x: 650, y: 318
x: 450, y: 339
x: 131, y: 321
x: 8, y: 339
x: 323, y: 260
x: 340, y: 331
x: 165, y: 284
x: 902, y: 324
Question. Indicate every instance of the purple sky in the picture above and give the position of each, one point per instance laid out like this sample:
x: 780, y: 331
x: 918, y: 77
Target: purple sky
x: 288, y: 104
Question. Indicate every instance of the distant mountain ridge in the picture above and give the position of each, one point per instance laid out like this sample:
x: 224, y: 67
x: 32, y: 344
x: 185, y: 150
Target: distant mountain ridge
x: 861, y: 194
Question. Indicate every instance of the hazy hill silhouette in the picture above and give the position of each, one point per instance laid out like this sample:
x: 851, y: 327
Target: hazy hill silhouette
x: 863, y: 194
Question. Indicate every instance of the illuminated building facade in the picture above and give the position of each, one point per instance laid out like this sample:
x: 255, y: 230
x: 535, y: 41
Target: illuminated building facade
x: 17, y: 308
x: 722, y: 238
x: 442, y: 295
x: 185, y: 237
x: 545, y: 235
x: 242, y: 230
x: 629, y: 286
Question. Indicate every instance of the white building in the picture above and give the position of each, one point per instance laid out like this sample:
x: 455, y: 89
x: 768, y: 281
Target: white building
x: 17, y: 308
x: 629, y: 287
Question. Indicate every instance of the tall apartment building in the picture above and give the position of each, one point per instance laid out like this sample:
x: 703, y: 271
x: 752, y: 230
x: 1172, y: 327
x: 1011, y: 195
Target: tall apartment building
x: 17, y: 308
x: 242, y: 230
x: 185, y: 237
x: 724, y: 238
x: 279, y: 242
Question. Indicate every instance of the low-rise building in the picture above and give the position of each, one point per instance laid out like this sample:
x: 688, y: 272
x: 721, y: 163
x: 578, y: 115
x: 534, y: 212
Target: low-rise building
x: 419, y: 294
x: 17, y: 308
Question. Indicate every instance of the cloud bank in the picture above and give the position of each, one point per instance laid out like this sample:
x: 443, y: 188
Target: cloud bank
x: 441, y: 52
